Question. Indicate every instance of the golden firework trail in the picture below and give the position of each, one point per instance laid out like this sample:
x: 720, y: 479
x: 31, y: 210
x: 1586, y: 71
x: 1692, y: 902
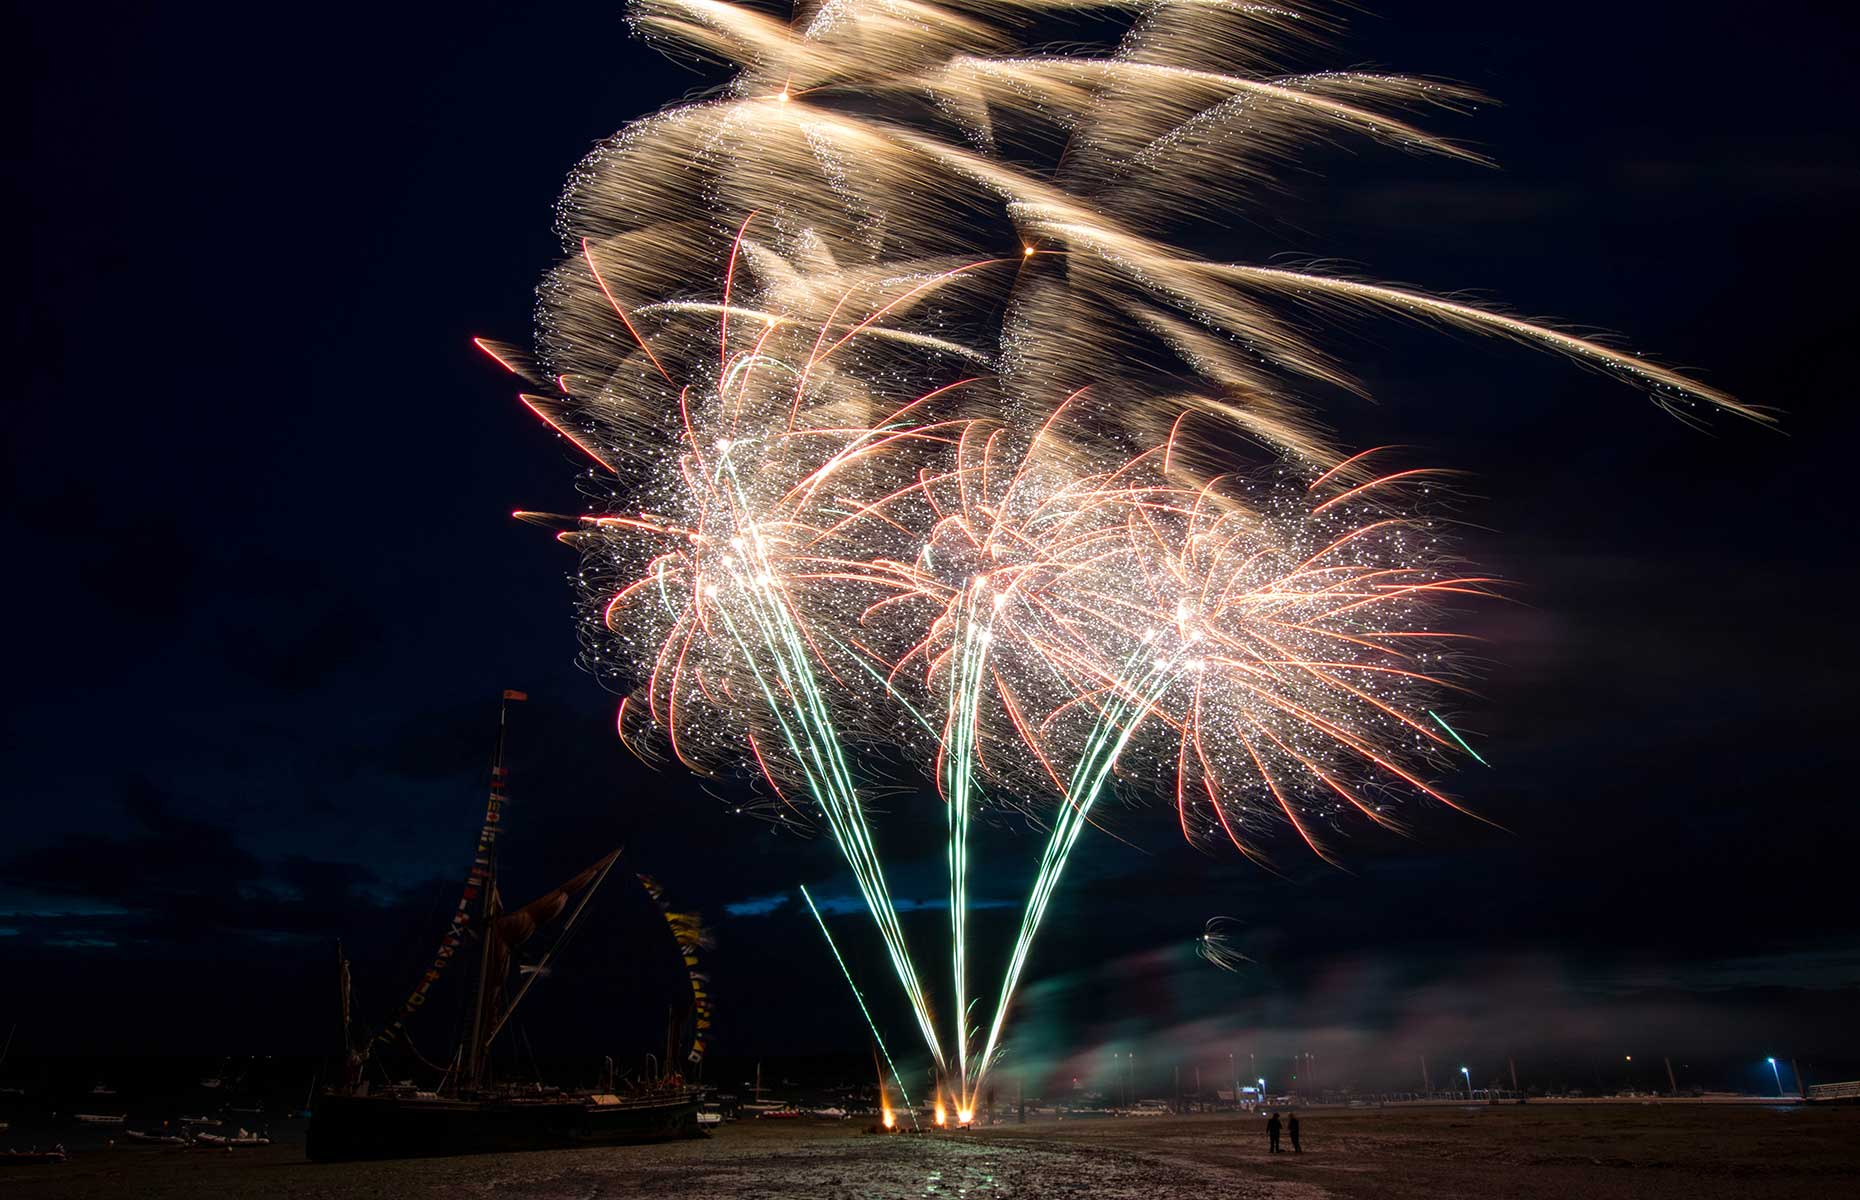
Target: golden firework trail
x: 1215, y: 945
x: 914, y: 422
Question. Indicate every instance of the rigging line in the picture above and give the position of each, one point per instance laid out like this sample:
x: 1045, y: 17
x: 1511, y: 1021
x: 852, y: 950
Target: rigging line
x: 529, y: 983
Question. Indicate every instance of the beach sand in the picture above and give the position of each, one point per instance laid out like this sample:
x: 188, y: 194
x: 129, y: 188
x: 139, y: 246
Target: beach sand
x: 1685, y: 1152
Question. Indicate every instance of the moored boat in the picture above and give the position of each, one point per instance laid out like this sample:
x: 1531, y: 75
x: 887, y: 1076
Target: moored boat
x: 33, y: 1158
x: 244, y: 1137
x: 402, y: 1126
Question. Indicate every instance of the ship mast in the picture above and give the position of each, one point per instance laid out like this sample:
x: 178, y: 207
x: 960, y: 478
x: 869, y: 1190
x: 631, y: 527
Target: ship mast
x: 474, y: 1051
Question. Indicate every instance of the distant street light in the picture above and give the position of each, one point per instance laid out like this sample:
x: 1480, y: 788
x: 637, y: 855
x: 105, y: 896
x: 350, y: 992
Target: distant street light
x: 1774, y: 1070
x: 1468, y: 1075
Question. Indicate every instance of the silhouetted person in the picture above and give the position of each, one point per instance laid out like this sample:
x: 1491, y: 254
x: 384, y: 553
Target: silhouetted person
x: 1291, y: 1127
x: 1272, y: 1133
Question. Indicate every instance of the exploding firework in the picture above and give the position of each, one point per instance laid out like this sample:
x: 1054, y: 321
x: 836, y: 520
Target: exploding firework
x: 724, y: 600
x: 912, y: 425
x: 1262, y: 654
x: 1261, y: 651
x: 880, y: 138
x: 1215, y: 945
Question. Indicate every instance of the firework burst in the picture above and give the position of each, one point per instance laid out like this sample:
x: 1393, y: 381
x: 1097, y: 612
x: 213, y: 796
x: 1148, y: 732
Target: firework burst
x: 879, y: 136
x: 911, y: 424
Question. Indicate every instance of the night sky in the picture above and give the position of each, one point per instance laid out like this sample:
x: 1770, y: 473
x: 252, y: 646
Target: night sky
x: 265, y: 587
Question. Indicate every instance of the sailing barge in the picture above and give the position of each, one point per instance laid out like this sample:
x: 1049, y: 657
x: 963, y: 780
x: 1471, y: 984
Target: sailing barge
x: 468, y: 1113
x: 424, y: 1124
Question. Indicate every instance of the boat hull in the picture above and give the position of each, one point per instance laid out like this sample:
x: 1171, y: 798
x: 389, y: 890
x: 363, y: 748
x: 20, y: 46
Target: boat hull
x: 352, y: 1127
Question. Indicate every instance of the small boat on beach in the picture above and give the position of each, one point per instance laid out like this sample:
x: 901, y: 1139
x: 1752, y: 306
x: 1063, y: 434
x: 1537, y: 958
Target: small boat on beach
x: 152, y: 1138
x: 244, y: 1137
x: 100, y: 1118
x: 33, y: 1158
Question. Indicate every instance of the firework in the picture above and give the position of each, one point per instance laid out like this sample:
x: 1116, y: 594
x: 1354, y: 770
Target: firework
x: 1215, y: 945
x: 879, y: 136
x: 911, y: 425
x: 1261, y: 653
x: 1457, y: 739
x: 878, y: 1039
x: 721, y: 593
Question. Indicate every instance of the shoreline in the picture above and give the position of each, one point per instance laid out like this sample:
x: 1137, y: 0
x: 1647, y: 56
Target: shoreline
x: 1594, y: 1149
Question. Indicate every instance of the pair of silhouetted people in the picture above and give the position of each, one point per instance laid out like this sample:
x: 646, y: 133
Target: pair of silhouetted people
x: 1291, y: 1127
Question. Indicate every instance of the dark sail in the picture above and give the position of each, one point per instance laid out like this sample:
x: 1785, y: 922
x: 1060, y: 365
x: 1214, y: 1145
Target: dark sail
x: 509, y: 930
x: 515, y: 928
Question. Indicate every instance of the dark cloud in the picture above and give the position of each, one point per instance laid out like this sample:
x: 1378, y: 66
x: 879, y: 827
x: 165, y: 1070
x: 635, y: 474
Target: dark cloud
x: 129, y: 571
x: 295, y: 643
x: 167, y: 884
x: 160, y: 856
